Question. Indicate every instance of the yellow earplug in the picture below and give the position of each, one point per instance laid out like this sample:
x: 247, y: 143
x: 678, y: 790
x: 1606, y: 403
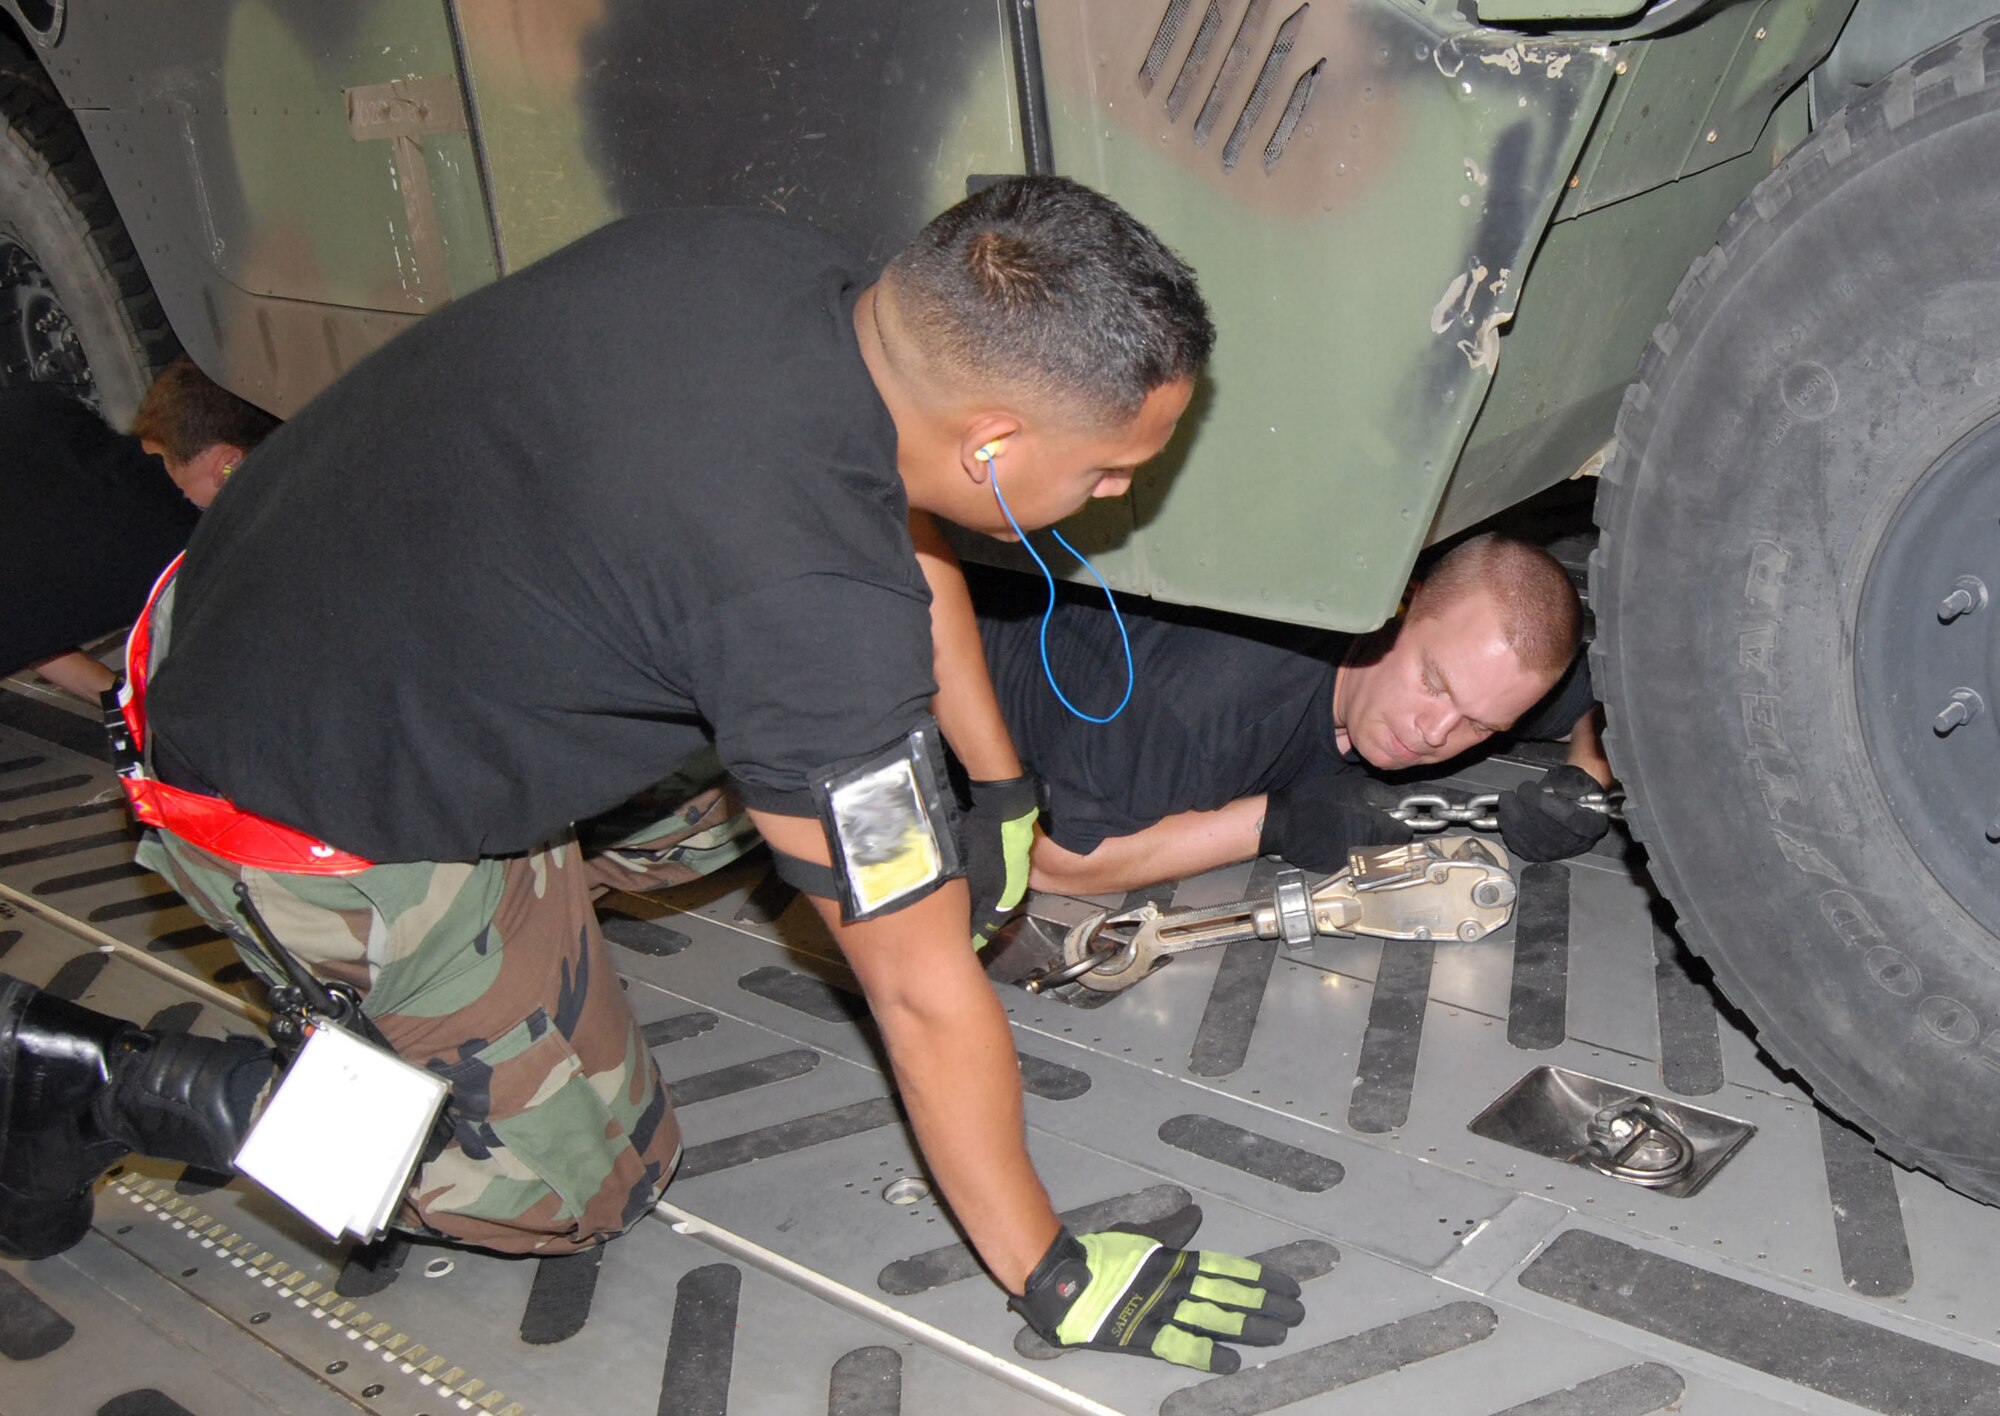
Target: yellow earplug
x: 986, y: 453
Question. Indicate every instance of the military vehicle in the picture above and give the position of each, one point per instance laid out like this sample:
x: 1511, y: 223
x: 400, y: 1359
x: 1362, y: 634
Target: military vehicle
x: 1734, y: 256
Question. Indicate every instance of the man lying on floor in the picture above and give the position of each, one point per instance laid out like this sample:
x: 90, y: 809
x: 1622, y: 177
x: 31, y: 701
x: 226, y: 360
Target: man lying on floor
x: 1234, y: 746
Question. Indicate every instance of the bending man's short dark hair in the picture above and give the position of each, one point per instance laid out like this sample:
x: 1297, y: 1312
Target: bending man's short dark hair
x: 1042, y: 284
x: 1539, y: 613
x: 186, y: 413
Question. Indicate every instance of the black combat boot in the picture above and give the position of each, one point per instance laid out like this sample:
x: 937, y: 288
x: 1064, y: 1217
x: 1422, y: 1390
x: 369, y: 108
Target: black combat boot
x: 79, y: 1091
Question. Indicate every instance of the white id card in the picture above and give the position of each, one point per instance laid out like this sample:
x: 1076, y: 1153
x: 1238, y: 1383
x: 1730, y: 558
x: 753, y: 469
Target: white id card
x: 342, y: 1132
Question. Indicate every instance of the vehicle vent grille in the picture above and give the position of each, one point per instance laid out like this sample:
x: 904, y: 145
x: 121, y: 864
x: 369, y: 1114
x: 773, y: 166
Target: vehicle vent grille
x: 1197, y: 55
x: 1163, y: 43
x: 1295, y: 108
x: 1232, y: 65
x: 1260, y: 92
x: 1270, y: 75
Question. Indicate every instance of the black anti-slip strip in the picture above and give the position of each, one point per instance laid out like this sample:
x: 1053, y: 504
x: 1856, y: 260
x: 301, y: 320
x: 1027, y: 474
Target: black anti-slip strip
x: 789, y: 1136
x: 937, y: 1267
x: 1051, y: 1081
x: 559, y: 1298
x: 818, y: 999
x: 29, y: 1328
x: 44, y: 788
x: 83, y: 735
x: 1538, y: 1006
x: 75, y: 977
x: 16, y: 764
x: 27, y: 855
x: 61, y: 813
x: 727, y: 1081
x: 678, y: 1028
x: 191, y: 937
x: 642, y: 936
x: 1388, y: 1068
x: 1302, y: 1259
x: 1237, y: 995
x: 866, y: 1382
x: 144, y: 1402
x: 8, y: 939
x: 1783, y: 1337
x: 174, y: 1018
x: 1299, y: 1376
x: 1234, y: 1000
x: 1690, y: 1026
x: 802, y: 994
x: 84, y: 879
x: 128, y: 909
x: 771, y: 898
x: 701, y: 1347
x: 1867, y: 1216
x: 194, y: 1180
x: 1276, y: 1161
x: 1638, y: 1390
x: 370, y: 1268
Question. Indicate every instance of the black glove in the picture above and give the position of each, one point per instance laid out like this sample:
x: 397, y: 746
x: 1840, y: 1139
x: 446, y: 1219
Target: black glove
x: 1137, y: 1291
x: 1315, y: 819
x: 1543, y: 821
x: 998, y: 830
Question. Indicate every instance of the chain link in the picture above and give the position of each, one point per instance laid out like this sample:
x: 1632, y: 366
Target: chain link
x: 1431, y: 811
x: 1611, y: 803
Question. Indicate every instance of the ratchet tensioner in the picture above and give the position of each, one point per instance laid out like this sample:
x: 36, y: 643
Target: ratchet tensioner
x: 1455, y: 887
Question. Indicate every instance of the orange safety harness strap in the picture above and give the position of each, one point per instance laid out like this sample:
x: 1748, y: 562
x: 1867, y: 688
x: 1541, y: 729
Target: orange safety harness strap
x: 211, y: 823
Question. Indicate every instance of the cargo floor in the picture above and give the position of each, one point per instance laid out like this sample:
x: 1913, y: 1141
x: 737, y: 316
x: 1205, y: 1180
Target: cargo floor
x: 1314, y: 1102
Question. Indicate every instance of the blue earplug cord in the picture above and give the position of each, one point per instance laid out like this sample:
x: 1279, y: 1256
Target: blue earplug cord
x: 1124, y: 639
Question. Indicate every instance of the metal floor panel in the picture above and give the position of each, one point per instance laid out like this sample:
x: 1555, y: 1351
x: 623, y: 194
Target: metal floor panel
x: 1315, y: 1104
x: 134, y: 1332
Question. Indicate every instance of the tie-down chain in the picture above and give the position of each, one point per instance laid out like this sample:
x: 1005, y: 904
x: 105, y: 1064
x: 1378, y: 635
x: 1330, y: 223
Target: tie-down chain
x: 1433, y: 811
x: 1453, y: 888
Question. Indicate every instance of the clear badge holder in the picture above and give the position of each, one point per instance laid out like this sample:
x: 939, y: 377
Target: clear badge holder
x: 343, y: 1131
x: 349, y: 1119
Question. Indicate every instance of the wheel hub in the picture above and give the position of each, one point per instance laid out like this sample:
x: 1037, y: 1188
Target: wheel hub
x: 1925, y: 670
x: 38, y: 343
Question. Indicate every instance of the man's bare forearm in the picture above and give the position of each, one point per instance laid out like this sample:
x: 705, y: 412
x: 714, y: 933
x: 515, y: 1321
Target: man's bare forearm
x: 953, y: 1055
x: 1586, y: 746
x: 77, y: 672
x: 1171, y: 849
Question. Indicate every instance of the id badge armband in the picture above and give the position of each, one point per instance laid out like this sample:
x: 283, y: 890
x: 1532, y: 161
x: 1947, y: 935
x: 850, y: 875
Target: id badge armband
x: 888, y: 824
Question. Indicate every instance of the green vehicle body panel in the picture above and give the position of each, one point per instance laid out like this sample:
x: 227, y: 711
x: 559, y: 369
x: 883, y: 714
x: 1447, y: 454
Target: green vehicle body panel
x: 1435, y: 247
x: 279, y: 244
x: 1359, y: 283
x: 1499, y: 12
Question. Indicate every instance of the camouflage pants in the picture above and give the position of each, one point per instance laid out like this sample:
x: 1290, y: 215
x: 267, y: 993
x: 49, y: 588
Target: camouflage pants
x: 495, y: 975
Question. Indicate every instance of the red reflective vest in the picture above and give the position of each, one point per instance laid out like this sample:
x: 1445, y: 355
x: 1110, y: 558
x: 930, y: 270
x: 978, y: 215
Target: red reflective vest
x: 211, y: 823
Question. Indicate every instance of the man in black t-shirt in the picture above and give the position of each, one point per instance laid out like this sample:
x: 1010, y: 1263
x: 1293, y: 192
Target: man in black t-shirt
x: 667, y: 490
x: 1234, y: 745
x: 95, y: 517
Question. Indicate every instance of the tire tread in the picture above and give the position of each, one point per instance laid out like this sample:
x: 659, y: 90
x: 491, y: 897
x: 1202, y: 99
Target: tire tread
x: 35, y: 113
x: 1958, y: 70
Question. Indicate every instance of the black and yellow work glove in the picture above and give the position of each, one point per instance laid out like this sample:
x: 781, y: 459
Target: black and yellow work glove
x: 999, y: 830
x: 1547, y: 820
x: 1124, y: 1290
x: 1315, y: 819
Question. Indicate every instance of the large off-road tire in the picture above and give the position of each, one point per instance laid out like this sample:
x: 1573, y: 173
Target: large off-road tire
x: 76, y: 309
x: 1808, y: 464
